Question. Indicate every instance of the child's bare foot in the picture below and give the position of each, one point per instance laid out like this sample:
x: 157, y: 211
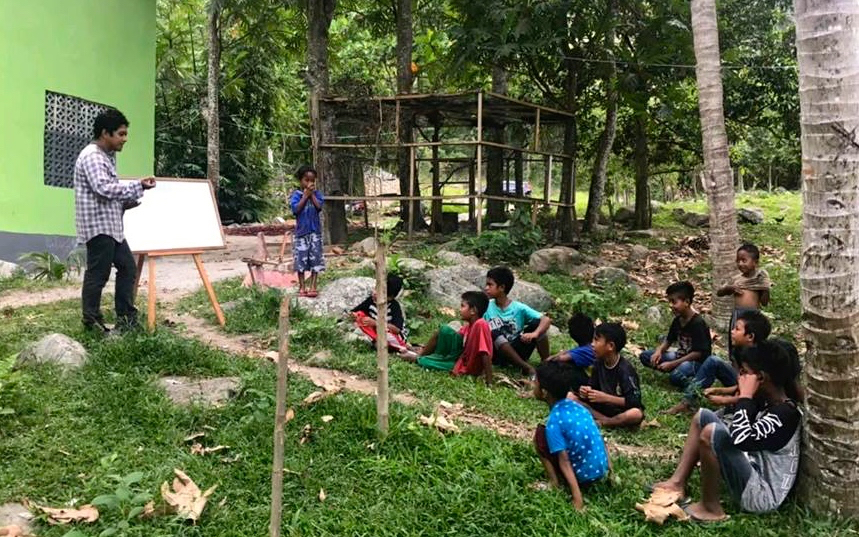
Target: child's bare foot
x: 408, y: 355
x: 669, y: 485
x: 683, y: 407
x: 700, y: 513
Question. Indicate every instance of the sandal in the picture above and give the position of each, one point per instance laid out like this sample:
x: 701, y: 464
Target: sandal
x: 303, y: 293
x: 313, y: 293
x: 698, y: 520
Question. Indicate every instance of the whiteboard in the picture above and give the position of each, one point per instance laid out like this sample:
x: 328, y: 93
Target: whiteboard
x: 178, y: 214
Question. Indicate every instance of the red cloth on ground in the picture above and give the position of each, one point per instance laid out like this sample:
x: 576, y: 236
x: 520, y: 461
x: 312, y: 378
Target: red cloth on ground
x: 395, y: 341
x: 477, y: 339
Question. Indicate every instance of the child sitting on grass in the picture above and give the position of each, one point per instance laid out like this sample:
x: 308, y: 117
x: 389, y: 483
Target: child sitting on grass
x: 570, y: 444
x: 467, y: 352
x: 516, y: 328
x: 365, y: 315
x: 613, y: 395
x: 751, y: 326
x: 581, y: 358
x: 757, y: 455
x: 689, y: 331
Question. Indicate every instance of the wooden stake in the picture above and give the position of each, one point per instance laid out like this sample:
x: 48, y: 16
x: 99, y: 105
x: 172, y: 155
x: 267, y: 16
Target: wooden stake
x: 280, y: 419
x: 140, y: 259
x: 412, y: 205
x: 479, y: 179
x: 198, y: 260
x: 150, y: 310
x: 381, y: 339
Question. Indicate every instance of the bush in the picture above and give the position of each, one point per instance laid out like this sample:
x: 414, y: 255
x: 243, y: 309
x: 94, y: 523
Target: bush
x: 511, y: 246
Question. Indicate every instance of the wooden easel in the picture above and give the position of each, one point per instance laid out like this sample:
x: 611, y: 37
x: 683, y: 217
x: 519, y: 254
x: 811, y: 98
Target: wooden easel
x: 150, y: 257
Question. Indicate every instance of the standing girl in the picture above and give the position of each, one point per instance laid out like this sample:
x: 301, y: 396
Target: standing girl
x: 306, y: 204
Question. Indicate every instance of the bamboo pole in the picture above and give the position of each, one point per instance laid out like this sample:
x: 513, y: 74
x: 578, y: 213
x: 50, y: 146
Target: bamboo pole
x: 537, y: 132
x: 381, y: 339
x: 280, y: 419
x: 478, y: 177
x: 412, y: 214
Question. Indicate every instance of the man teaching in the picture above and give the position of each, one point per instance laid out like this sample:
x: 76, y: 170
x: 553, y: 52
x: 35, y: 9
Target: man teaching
x: 100, y: 201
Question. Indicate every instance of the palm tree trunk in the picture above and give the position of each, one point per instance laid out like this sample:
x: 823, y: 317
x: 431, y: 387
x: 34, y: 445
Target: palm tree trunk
x: 828, y: 50
x: 718, y: 179
x: 213, y: 142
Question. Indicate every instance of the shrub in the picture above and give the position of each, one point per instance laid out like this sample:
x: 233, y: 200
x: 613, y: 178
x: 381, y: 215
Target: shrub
x: 511, y: 246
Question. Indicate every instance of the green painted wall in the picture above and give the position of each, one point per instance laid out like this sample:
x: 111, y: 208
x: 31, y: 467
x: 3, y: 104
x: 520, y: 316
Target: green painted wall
x: 98, y: 50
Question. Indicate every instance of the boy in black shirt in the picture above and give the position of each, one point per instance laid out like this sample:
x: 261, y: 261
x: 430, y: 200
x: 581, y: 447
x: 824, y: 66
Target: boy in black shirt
x: 365, y: 315
x: 614, y: 393
x: 691, y: 334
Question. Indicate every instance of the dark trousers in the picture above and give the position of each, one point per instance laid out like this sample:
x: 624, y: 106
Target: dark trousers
x: 102, y: 252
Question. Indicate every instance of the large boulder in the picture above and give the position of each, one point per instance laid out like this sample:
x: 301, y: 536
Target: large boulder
x: 7, y: 269
x: 409, y: 264
x: 456, y: 258
x: 57, y: 349
x: 447, y: 284
x: 211, y: 392
x: 691, y: 219
x: 624, y: 215
x: 610, y: 276
x: 339, y: 296
x: 653, y: 315
x: 638, y: 252
x: 365, y: 247
x: 751, y: 215
x: 15, y: 514
x: 560, y: 258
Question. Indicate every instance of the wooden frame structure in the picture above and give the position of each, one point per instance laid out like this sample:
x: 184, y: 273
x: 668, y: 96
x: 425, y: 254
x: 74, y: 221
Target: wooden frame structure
x: 470, y: 112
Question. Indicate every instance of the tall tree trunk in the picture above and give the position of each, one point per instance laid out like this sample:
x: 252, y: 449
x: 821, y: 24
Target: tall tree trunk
x: 495, y: 157
x: 566, y: 216
x: 643, y: 213
x: 213, y: 124
x: 718, y: 178
x: 319, y: 15
x: 405, y: 37
x: 828, y: 49
x: 606, y: 141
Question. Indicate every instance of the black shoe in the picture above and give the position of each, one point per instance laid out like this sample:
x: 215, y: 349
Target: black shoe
x: 97, y: 327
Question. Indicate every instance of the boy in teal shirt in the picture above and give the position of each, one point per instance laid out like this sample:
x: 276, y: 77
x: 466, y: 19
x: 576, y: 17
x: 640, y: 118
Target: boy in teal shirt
x: 516, y: 328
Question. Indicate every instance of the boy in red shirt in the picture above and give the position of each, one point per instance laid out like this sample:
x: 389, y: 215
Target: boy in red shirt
x: 467, y: 352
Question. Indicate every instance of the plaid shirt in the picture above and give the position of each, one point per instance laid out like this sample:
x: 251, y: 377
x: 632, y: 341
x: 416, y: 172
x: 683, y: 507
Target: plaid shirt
x: 99, y: 196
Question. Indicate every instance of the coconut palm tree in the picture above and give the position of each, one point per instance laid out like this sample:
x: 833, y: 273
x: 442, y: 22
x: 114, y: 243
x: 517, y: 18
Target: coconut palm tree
x: 828, y: 53
x: 718, y: 179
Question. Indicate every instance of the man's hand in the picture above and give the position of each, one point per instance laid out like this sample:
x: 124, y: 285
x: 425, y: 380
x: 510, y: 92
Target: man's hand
x: 721, y: 400
x: 560, y: 357
x: 147, y: 183
x: 654, y: 359
x: 528, y: 337
x: 585, y: 392
x: 668, y: 366
x: 748, y: 385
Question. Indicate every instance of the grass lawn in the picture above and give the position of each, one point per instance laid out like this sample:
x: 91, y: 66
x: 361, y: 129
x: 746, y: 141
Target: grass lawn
x: 63, y: 436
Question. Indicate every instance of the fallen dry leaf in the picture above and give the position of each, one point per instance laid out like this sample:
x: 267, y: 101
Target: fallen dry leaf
x: 185, y: 498
x: 337, y: 250
x: 322, y: 495
x: 85, y: 513
x: 148, y: 510
x: 450, y: 312
x: 305, y: 434
x: 198, y: 449
x: 664, y: 497
x: 194, y: 436
x: 319, y: 395
x: 658, y: 513
x: 439, y: 422
x: 629, y: 324
x: 327, y: 418
x: 650, y: 424
x: 290, y: 415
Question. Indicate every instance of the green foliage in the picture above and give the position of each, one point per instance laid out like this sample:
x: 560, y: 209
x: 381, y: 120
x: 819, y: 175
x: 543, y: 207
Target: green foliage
x: 513, y: 245
x: 48, y: 266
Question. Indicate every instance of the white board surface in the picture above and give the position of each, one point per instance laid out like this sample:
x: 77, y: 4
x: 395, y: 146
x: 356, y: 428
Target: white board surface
x: 178, y: 214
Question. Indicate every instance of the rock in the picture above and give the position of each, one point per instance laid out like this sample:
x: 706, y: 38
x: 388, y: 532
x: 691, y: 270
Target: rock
x: 456, y: 258
x: 553, y: 331
x: 57, y: 349
x: 655, y: 205
x: 15, y: 514
x: 751, y: 215
x: 320, y: 357
x: 367, y: 264
x: 339, y: 296
x: 560, y: 258
x: 8, y: 269
x: 691, y: 219
x: 278, y: 220
x: 610, y: 276
x: 450, y: 246
x: 366, y: 247
x: 638, y: 252
x: 653, y: 315
x: 409, y: 264
x: 212, y: 392
x: 641, y: 233
x: 446, y: 285
x: 779, y: 190
x: 624, y: 215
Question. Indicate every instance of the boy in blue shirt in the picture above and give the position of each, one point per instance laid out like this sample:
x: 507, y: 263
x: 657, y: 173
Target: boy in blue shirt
x: 570, y: 444
x: 581, y: 358
x: 516, y: 328
x: 306, y: 204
